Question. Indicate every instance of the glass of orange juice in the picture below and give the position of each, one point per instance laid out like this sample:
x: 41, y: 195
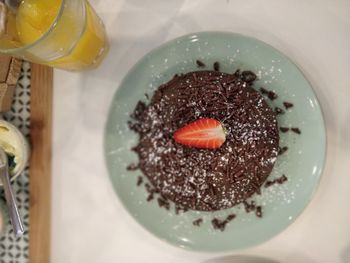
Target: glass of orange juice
x: 64, y: 34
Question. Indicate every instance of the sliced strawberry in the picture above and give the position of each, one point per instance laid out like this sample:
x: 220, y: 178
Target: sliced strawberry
x: 203, y: 133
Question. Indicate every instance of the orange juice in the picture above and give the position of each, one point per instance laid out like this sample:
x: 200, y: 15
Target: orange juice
x: 34, y: 18
x: 61, y: 33
x: 91, y: 47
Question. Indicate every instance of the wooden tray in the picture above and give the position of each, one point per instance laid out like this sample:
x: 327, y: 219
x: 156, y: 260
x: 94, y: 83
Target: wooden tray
x: 40, y: 163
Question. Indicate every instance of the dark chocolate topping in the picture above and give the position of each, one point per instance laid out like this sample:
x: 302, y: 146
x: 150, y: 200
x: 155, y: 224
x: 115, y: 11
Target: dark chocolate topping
x: 204, y: 179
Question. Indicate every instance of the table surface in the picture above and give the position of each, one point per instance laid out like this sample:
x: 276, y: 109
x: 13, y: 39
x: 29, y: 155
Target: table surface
x: 89, y: 224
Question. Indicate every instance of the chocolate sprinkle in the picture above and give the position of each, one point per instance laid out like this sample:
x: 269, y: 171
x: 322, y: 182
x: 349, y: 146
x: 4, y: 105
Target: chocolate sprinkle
x: 221, y: 224
x: 216, y: 66
x: 150, y: 197
x: 264, y: 91
x: 258, y: 211
x: 200, y: 63
x: 132, y: 167
x: 279, y: 180
x: 296, y: 130
x: 282, y: 179
x: 230, y: 217
x: 282, y: 150
x: 179, y: 209
x: 139, y: 180
x: 162, y: 202
x: 197, y: 222
x: 249, y: 206
x: 140, y: 108
x: 284, y: 129
x: 248, y: 76
x: 287, y: 105
x: 278, y: 110
x: 271, y: 95
x: 269, y: 183
x: 151, y: 191
x: 204, y: 179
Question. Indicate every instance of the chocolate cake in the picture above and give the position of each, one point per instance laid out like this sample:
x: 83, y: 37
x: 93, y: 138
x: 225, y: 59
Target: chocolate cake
x: 206, y: 179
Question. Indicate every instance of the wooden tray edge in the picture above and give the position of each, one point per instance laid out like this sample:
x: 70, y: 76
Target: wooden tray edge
x: 40, y: 163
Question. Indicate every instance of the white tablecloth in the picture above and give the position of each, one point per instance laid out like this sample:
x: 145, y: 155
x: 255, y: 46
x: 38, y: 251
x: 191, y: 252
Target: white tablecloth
x: 89, y: 223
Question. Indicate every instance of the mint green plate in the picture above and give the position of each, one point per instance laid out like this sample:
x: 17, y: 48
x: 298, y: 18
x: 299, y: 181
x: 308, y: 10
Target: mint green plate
x: 302, y: 163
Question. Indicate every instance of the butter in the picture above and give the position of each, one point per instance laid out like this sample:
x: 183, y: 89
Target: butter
x: 14, y: 144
